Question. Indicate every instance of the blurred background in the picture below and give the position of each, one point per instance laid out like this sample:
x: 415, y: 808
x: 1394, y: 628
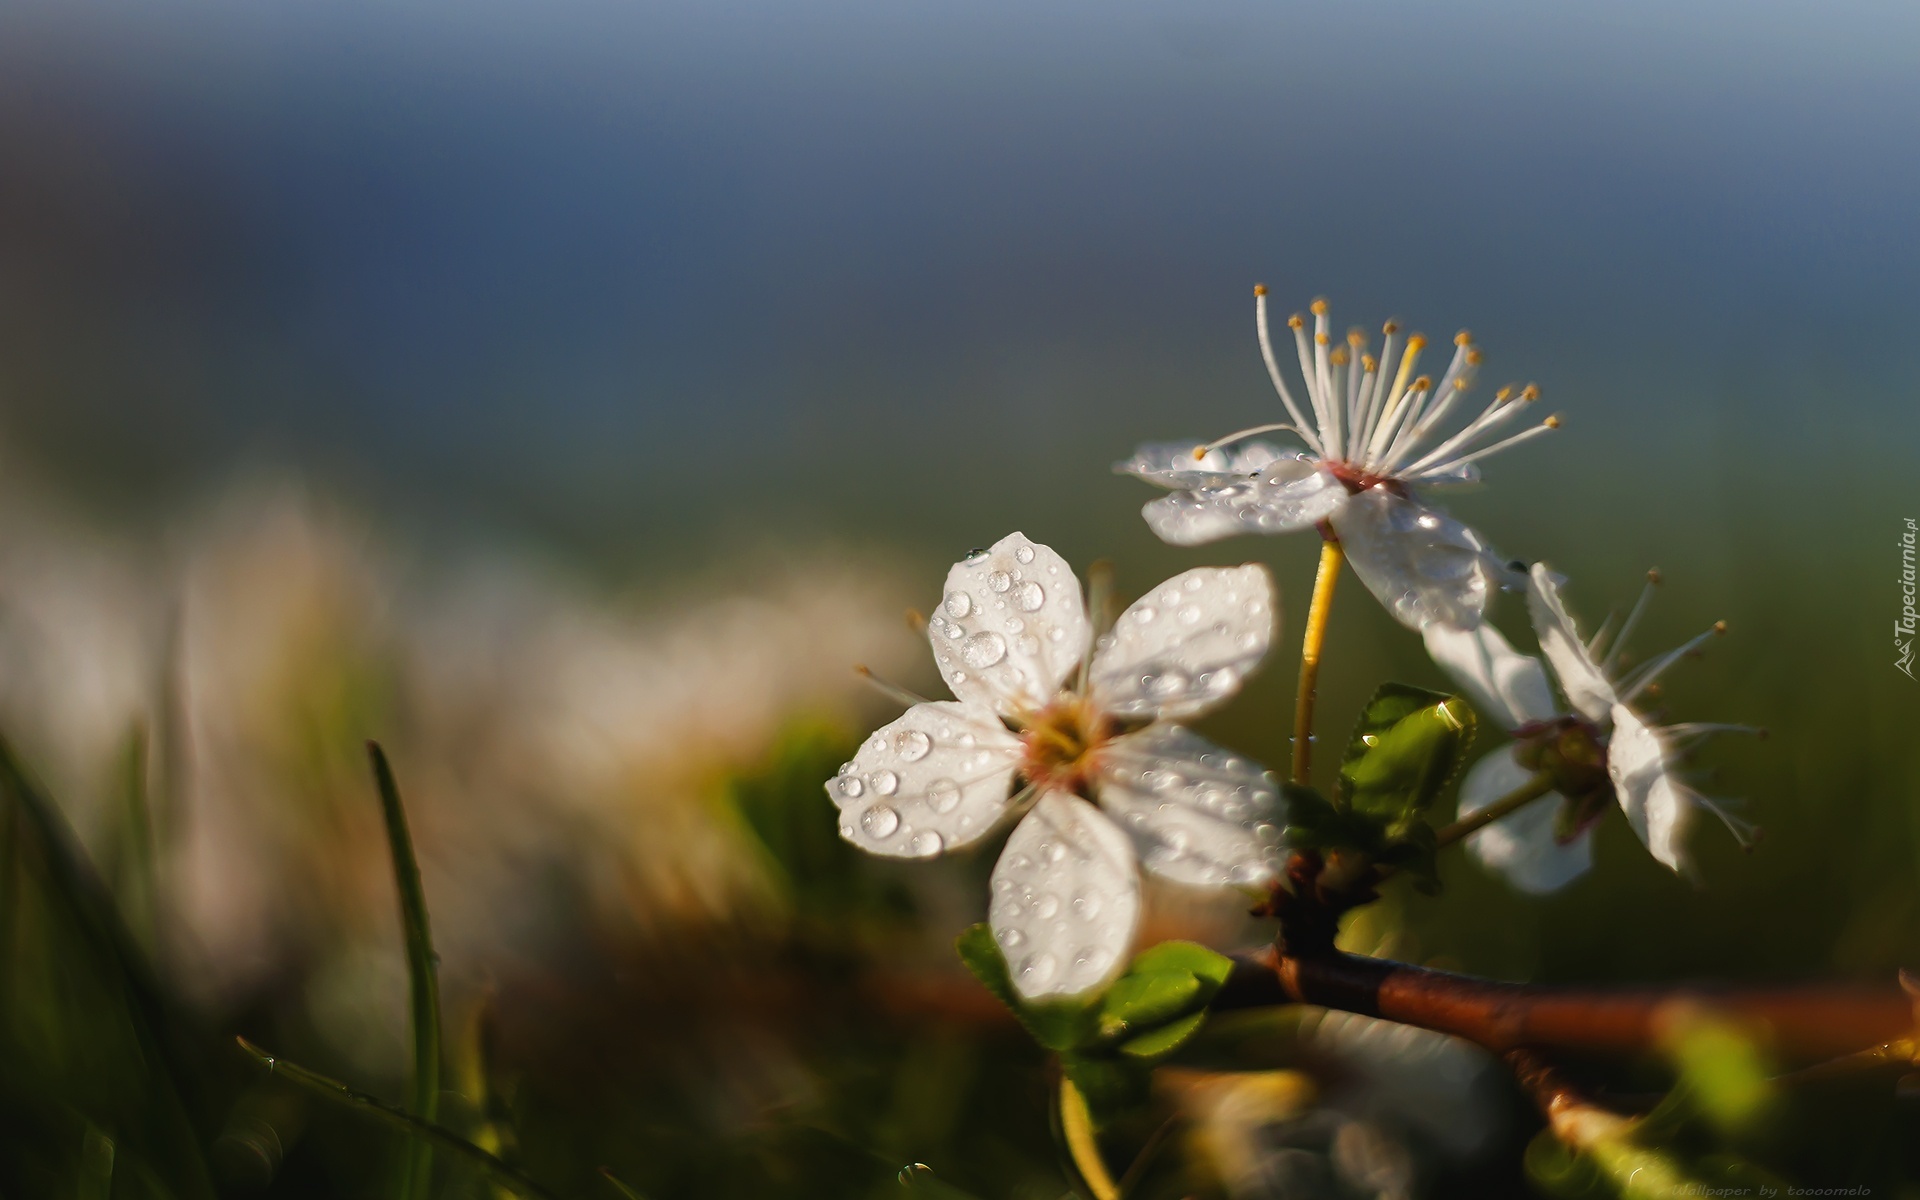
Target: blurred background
x: 569, y: 396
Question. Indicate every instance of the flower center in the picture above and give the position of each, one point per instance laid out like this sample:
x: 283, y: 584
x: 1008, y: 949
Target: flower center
x: 1356, y: 480
x: 1060, y: 743
x: 1573, y: 751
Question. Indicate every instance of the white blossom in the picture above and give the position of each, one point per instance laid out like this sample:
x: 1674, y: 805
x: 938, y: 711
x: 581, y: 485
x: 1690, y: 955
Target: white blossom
x: 1114, y: 785
x: 1372, y: 435
x: 1596, y: 744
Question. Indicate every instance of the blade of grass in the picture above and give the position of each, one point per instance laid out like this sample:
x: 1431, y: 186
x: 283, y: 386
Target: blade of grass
x: 397, y: 1119
x: 423, y: 979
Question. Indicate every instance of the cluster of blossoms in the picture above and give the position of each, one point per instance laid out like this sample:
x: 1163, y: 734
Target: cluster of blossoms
x: 1074, y: 731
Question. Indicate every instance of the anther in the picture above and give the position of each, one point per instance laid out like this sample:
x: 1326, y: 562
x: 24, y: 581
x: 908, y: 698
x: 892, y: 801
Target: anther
x: 1296, y: 321
x: 1653, y: 575
x: 1463, y: 338
x: 1259, y: 289
x: 1369, y: 364
x: 1503, y: 395
x: 1530, y: 392
x: 1319, y: 306
x: 1719, y: 626
x: 1423, y: 383
x: 1415, y: 342
x: 1356, y: 338
x: 1199, y: 452
x: 1390, y: 328
x: 1552, y: 422
x: 916, y: 620
x: 1339, y: 356
x: 1473, y: 357
x: 1320, y: 339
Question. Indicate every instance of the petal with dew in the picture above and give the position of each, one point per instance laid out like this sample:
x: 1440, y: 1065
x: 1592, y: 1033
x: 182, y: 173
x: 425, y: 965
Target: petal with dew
x: 936, y: 779
x: 1291, y: 494
x: 1198, y: 814
x: 1172, y: 465
x: 1586, y: 687
x: 1066, y: 899
x: 1011, y: 626
x: 1522, y: 845
x: 1185, y: 647
x: 1422, y: 564
x: 1509, y: 687
x: 1656, y: 805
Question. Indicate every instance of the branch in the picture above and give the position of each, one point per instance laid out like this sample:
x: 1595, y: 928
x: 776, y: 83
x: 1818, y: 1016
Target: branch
x: 1806, y: 1022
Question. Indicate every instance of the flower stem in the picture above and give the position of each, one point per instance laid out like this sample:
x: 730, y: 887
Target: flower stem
x: 1540, y: 785
x: 1076, y: 1127
x: 1331, y: 557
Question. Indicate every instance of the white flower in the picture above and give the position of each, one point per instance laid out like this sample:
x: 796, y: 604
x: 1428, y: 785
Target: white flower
x: 1601, y: 749
x: 1010, y: 637
x: 1371, y: 429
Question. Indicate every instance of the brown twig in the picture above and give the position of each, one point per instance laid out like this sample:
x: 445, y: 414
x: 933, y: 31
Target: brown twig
x: 1806, y: 1022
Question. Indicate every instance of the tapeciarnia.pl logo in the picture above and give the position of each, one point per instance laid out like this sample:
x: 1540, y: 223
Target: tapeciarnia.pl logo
x: 1903, y: 627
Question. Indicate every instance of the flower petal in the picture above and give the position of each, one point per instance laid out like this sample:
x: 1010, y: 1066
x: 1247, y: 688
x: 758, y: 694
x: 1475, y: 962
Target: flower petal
x: 1066, y: 899
x: 1581, y: 679
x: 1293, y: 493
x: 1172, y: 464
x: 1422, y: 564
x: 936, y: 779
x: 1508, y: 686
x: 1184, y: 647
x: 1011, y: 626
x: 1521, y: 845
x: 1198, y: 814
x: 1656, y: 806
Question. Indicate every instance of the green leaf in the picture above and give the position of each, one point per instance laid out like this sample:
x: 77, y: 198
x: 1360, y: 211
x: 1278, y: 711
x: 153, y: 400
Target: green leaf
x: 1211, y: 968
x: 1111, y: 1085
x: 1142, y: 1000
x: 424, y: 982
x: 1403, y: 753
x: 1057, y: 1025
x: 1159, y: 1043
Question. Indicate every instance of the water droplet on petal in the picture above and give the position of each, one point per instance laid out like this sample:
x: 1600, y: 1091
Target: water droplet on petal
x: 1165, y: 685
x: 886, y: 782
x: 1086, y: 907
x: 926, y: 844
x: 1039, y: 970
x: 1024, y: 554
x: 1030, y: 597
x: 943, y: 796
x: 1056, y: 634
x: 1012, y: 938
x: 959, y: 604
x: 1190, y: 615
x: 880, y: 821
x: 851, y: 787
x: 999, y: 581
x: 1145, y: 613
x: 1029, y: 645
x: 912, y: 745
x: 1047, y: 905
x: 974, y: 557
x: 983, y: 649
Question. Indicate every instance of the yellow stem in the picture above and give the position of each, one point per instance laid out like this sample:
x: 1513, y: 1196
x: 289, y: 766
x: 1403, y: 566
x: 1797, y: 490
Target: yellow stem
x: 1076, y: 1124
x: 1331, y: 557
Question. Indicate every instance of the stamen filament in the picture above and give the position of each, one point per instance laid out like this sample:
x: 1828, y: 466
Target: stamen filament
x: 1644, y: 677
x: 1549, y: 424
x: 891, y: 691
x: 1273, y: 373
x: 1230, y: 439
x: 1626, y: 627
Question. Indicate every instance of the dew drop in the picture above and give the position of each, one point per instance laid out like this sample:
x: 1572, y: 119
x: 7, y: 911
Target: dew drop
x: 1046, y: 906
x: 1054, y: 852
x: 1190, y: 615
x: 1024, y: 554
x: 1012, y: 938
x: 943, y: 796
x: 1145, y: 613
x: 926, y: 844
x: 1165, y: 685
x: 959, y: 604
x: 912, y: 745
x: 974, y: 557
x: 983, y: 649
x: 1039, y: 970
x: 1029, y: 645
x: 880, y: 821
x: 999, y: 581
x: 1056, y: 634
x: 1030, y: 597
x: 851, y: 787
x: 1086, y: 907
x: 1248, y: 641
x: 886, y: 782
